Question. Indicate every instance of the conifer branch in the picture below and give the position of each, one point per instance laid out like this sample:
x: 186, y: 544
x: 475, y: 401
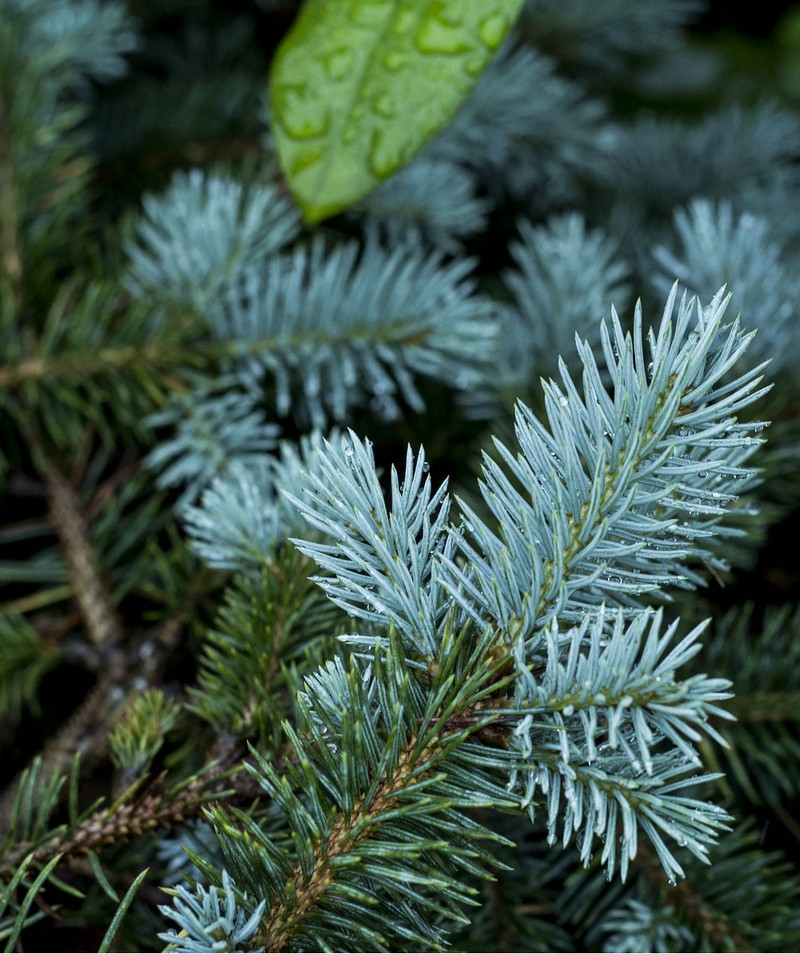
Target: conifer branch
x: 354, y: 751
x: 703, y: 918
x: 304, y: 889
x: 87, y: 723
x: 168, y: 358
x: 127, y: 820
x: 102, y: 361
x: 123, y: 670
x: 103, y: 625
x: 10, y: 260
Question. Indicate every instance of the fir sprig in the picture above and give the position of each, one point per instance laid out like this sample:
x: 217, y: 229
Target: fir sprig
x: 378, y: 803
x: 624, y: 488
x: 329, y: 327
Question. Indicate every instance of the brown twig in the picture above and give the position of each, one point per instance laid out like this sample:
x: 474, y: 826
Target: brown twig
x: 149, y: 811
x: 66, y: 512
x: 125, y: 668
x: 10, y: 258
x: 303, y: 891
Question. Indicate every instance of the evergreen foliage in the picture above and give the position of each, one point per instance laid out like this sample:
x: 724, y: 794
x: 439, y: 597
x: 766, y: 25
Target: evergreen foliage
x: 718, y: 248
x: 410, y: 582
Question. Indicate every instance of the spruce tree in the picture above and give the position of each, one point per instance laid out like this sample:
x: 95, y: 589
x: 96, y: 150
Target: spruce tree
x: 391, y: 522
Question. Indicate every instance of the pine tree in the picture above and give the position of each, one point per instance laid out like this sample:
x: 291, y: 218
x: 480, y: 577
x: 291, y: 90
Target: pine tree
x: 407, y: 580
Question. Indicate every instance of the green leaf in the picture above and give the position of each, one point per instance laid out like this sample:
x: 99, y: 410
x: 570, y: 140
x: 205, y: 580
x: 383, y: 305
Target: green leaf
x: 359, y: 86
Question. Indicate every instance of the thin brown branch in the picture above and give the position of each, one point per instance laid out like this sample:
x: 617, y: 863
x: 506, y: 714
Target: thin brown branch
x: 150, y: 811
x: 101, y: 361
x: 75, y: 735
x: 172, y: 358
x: 304, y: 891
x: 67, y: 514
x: 10, y: 258
x: 125, y: 669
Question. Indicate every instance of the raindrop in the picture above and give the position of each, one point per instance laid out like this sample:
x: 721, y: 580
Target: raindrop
x: 395, y: 60
x: 404, y: 21
x: 434, y: 36
x: 386, y: 156
x: 338, y: 63
x: 369, y: 13
x: 305, y: 157
x: 302, y: 117
x: 474, y: 66
x: 385, y: 105
x: 492, y: 30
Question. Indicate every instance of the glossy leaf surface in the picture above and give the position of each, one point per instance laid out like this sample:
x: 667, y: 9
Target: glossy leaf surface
x: 359, y: 86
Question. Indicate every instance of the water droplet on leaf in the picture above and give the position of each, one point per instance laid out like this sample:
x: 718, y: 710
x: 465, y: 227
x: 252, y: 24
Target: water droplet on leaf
x: 492, y: 30
x: 338, y: 63
x: 369, y: 13
x: 395, y: 60
x: 305, y: 157
x: 404, y: 21
x: 474, y: 67
x: 387, y: 155
x: 385, y: 106
x: 301, y: 116
x: 436, y: 36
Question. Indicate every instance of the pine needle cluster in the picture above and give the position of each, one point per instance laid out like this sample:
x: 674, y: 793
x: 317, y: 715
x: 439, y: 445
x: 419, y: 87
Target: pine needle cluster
x: 409, y: 581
